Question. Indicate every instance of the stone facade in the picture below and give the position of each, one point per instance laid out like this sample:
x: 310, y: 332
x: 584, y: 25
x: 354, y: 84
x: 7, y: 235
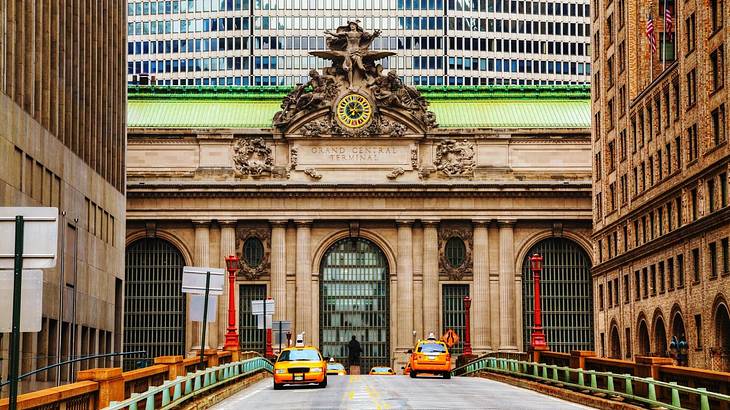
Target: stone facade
x: 661, y: 188
x: 62, y: 144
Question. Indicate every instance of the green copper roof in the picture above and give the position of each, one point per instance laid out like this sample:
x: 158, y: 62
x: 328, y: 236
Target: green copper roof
x: 455, y: 107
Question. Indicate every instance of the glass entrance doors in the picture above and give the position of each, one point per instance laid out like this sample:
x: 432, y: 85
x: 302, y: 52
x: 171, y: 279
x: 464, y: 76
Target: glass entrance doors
x: 354, y: 300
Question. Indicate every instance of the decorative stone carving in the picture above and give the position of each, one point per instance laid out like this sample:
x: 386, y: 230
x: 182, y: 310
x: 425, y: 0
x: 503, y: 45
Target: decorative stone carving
x: 312, y: 173
x: 465, y: 234
x: 293, y: 157
x: 264, y: 235
x: 354, y: 90
x: 251, y: 156
x: 455, y: 158
x: 395, y: 173
x: 414, y: 157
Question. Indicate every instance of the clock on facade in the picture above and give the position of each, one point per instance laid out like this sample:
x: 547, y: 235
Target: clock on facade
x: 354, y: 110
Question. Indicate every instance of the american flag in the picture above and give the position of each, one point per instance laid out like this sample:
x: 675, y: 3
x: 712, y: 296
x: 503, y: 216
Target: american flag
x: 650, y: 34
x: 668, y: 23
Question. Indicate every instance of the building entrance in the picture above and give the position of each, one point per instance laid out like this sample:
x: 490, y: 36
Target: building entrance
x: 354, y: 300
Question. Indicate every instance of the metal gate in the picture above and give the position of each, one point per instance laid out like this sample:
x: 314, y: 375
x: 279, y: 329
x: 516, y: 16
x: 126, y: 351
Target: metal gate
x: 565, y: 292
x: 453, y: 310
x: 354, y: 301
x: 250, y: 337
x: 154, y: 305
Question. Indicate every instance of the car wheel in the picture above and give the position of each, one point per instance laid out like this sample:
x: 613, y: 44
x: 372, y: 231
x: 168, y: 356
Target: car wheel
x: 323, y: 384
x: 447, y: 375
x: 413, y: 374
x: 278, y: 386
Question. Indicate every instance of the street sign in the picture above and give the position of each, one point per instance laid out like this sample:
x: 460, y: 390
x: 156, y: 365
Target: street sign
x: 257, y: 307
x: 31, y: 301
x: 260, y: 321
x: 194, y: 280
x: 197, y: 304
x: 40, y: 242
x: 450, y: 338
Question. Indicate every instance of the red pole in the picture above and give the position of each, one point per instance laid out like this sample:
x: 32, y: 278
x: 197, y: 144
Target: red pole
x: 231, y: 331
x: 269, y: 349
x: 537, y: 339
x: 467, y: 330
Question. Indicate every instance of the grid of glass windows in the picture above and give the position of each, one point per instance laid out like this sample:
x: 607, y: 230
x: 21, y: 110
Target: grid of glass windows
x: 565, y: 294
x: 439, y: 42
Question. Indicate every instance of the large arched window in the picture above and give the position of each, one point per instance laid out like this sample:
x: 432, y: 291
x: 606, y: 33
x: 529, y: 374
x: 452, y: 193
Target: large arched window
x: 154, y: 305
x: 565, y: 292
x: 354, y: 301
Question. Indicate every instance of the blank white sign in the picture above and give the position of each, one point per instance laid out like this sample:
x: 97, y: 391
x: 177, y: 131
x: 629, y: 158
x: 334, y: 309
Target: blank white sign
x: 40, y: 237
x: 31, y: 301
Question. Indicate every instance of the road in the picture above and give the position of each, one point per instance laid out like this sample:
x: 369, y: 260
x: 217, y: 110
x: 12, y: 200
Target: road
x: 394, y: 392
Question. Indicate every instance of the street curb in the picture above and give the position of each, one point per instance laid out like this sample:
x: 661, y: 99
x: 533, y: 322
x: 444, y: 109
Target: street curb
x: 561, y: 393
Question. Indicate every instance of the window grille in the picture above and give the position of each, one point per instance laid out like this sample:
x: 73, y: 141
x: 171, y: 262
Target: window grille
x: 453, y: 313
x: 154, y: 305
x: 354, y: 300
x: 253, y: 252
x: 251, y: 338
x: 565, y: 294
x: 455, y: 252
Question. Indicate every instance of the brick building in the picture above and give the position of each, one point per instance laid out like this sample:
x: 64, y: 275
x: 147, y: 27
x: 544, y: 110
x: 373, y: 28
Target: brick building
x: 62, y: 144
x: 661, y: 220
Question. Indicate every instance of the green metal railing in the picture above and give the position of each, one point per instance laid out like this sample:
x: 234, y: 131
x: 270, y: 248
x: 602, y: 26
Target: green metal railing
x: 174, y: 392
x: 587, y: 380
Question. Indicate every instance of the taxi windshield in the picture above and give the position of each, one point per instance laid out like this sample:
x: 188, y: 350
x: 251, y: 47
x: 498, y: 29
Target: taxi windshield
x: 431, y: 348
x: 336, y: 366
x: 381, y: 369
x: 307, y: 355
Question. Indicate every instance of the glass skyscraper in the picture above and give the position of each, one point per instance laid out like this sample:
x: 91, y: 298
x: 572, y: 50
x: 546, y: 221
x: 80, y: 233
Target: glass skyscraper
x: 439, y: 42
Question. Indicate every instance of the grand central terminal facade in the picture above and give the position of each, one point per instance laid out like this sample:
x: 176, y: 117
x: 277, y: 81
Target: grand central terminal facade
x: 362, y: 207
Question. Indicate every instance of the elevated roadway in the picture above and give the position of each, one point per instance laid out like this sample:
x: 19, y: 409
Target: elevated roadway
x: 394, y: 392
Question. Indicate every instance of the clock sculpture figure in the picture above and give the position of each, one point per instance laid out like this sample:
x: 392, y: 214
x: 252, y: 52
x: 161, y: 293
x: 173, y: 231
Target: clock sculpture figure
x: 353, y: 96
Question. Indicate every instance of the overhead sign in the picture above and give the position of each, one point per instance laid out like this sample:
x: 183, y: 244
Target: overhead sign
x: 40, y: 239
x: 450, y: 338
x: 194, y: 280
x: 31, y: 301
x: 197, y: 303
x: 257, y: 307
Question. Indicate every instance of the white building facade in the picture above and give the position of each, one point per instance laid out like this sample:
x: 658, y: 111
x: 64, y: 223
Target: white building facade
x: 439, y: 42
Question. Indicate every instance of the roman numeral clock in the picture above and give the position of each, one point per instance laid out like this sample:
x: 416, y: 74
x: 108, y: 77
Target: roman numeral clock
x: 354, y: 110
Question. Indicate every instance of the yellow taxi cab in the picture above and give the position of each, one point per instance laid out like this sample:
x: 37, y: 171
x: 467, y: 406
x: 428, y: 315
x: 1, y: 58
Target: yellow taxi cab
x: 382, y: 371
x: 430, y: 356
x: 300, y: 365
x: 336, y: 369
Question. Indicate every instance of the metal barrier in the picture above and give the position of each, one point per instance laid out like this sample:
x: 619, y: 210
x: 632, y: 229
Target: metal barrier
x: 174, y: 392
x: 587, y: 380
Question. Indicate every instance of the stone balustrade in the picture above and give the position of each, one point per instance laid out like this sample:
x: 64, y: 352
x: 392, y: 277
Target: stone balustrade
x: 96, y: 388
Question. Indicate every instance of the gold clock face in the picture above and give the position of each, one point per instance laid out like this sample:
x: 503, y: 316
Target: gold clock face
x: 354, y: 110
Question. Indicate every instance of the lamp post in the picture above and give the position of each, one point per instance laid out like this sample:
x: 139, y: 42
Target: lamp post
x: 467, y: 328
x: 231, y: 334
x: 537, y: 339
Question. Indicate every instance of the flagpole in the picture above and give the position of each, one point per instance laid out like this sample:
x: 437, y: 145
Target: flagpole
x: 651, y: 58
x: 663, y: 43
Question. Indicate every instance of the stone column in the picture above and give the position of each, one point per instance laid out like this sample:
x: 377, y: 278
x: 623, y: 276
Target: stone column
x: 228, y: 247
x: 493, y: 246
x: 430, y: 277
x: 480, y: 300
x: 303, y: 280
x: 405, y: 284
x: 202, y: 259
x: 507, y: 317
x: 278, y: 267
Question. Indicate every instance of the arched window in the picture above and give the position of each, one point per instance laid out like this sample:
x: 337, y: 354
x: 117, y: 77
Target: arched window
x: 154, y: 305
x: 565, y: 293
x: 660, y: 337
x: 644, y: 344
x: 354, y: 301
x: 615, y: 343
